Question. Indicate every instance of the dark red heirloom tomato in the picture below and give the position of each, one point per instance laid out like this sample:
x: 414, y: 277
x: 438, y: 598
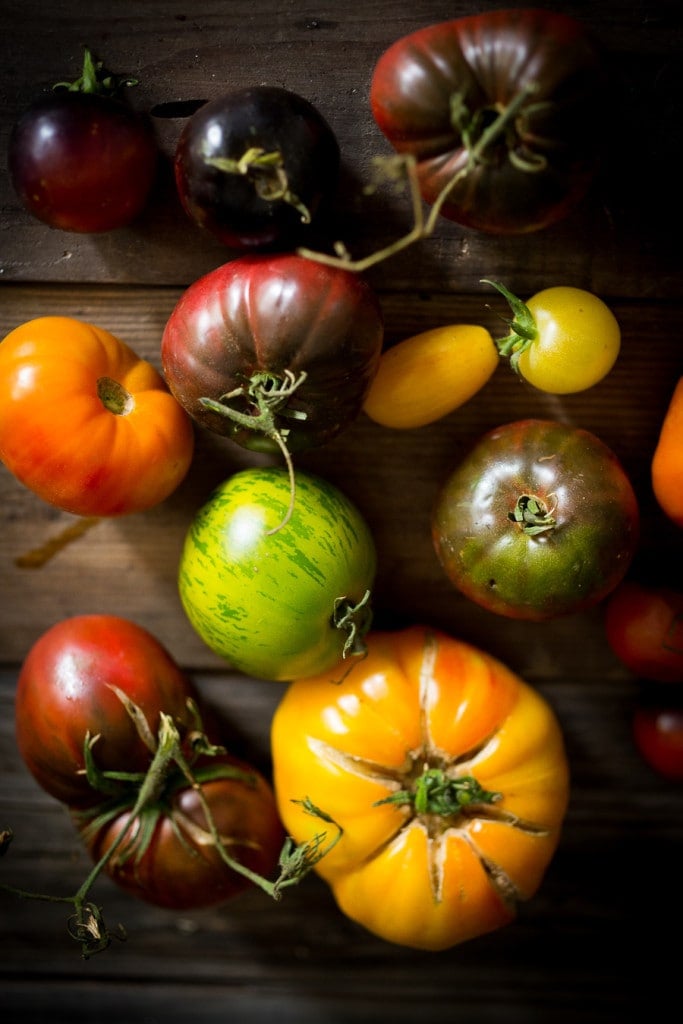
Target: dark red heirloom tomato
x: 80, y: 159
x: 64, y: 692
x: 538, y: 520
x: 644, y: 628
x: 273, y: 343
x: 169, y: 856
x: 436, y: 93
x: 256, y: 167
x: 658, y: 735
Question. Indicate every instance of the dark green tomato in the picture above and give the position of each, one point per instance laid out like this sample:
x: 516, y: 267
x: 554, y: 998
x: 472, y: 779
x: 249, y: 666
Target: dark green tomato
x: 538, y: 520
x: 278, y: 601
x: 274, y: 343
x: 257, y: 167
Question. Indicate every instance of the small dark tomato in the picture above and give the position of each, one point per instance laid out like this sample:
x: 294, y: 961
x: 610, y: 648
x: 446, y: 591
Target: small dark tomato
x: 81, y: 160
x: 658, y: 735
x: 256, y: 167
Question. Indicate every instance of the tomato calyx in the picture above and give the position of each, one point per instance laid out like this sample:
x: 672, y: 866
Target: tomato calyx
x: 269, y: 395
x: 472, y: 127
x: 523, y: 328
x: 114, y: 396
x: 266, y: 171
x: 435, y: 792
x: 355, y: 620
x: 95, y: 79
x: 532, y: 515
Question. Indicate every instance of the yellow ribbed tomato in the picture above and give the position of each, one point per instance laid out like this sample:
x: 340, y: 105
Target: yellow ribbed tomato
x: 446, y: 774
x: 427, y: 376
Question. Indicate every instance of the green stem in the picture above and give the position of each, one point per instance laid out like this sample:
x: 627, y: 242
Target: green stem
x: 434, y: 792
x: 532, y: 515
x: 95, y: 79
x: 523, y: 327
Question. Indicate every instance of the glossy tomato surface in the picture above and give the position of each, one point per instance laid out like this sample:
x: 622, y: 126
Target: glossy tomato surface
x: 435, y: 92
x: 268, y: 601
x: 538, y: 520
x: 264, y: 321
x: 644, y: 628
x: 65, y: 691
x: 256, y: 167
x: 658, y: 735
x: 85, y: 423
x: 82, y: 162
x: 169, y: 857
x: 424, y: 717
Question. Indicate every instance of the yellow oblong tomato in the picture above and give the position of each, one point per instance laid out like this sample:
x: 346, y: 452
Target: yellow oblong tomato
x: 425, y: 377
x: 447, y: 775
x: 85, y: 423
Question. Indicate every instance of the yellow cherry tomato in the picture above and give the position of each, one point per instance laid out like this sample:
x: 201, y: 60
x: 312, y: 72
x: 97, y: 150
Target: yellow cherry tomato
x: 445, y: 773
x: 427, y: 376
x: 563, y: 340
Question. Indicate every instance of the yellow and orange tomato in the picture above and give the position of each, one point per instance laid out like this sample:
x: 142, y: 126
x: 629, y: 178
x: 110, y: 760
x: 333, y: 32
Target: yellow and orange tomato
x: 667, y: 461
x: 447, y: 775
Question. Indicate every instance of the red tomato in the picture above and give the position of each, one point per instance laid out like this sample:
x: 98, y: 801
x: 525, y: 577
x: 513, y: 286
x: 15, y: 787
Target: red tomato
x: 644, y: 627
x: 658, y: 734
x: 168, y: 855
x: 273, y: 342
x: 64, y: 692
x: 85, y: 423
x: 436, y: 92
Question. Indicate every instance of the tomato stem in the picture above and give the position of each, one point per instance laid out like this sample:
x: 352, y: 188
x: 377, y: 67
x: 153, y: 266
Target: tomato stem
x: 424, y: 228
x: 95, y: 79
x: 434, y: 792
x: 267, y: 173
x: 532, y: 515
x: 523, y: 328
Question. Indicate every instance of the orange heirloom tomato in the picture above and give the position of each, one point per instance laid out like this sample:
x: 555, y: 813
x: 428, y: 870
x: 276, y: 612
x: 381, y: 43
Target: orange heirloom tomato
x: 667, y: 461
x: 423, y: 378
x: 447, y: 775
x: 85, y: 423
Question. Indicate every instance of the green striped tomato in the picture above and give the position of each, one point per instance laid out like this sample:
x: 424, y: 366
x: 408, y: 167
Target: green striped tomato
x: 278, y: 603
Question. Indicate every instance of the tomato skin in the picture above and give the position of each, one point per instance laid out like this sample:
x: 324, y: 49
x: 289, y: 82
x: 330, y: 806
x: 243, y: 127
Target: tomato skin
x: 85, y: 423
x: 667, y: 460
x: 276, y: 314
x: 63, y: 692
x: 181, y: 869
x: 421, y: 698
x: 577, y: 341
x: 658, y: 735
x: 425, y: 377
x: 572, y: 565
x: 644, y: 628
x: 488, y: 59
x: 82, y: 162
x: 228, y: 205
x: 265, y: 602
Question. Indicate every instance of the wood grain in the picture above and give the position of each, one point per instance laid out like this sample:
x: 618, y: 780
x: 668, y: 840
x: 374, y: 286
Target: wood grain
x: 577, y: 951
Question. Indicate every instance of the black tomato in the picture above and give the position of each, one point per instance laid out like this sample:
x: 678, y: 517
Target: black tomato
x: 81, y: 160
x: 256, y: 167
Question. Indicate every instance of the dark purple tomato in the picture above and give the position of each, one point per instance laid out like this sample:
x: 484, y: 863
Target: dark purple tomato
x: 256, y: 167
x: 273, y: 342
x: 82, y: 161
x: 436, y: 93
x: 538, y: 520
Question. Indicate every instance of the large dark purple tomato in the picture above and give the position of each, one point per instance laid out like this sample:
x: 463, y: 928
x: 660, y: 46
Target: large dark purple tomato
x: 538, y: 520
x: 82, y: 160
x: 277, y: 338
x: 256, y: 167
x: 435, y: 93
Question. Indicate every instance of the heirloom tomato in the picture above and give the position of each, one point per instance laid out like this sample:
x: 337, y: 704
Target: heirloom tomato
x: 267, y: 348
x: 278, y: 601
x: 168, y: 855
x: 65, y: 692
x: 538, y: 520
x: 508, y: 107
x: 667, y: 461
x: 644, y: 628
x: 423, y: 378
x: 445, y: 772
x: 658, y: 735
x: 257, y: 167
x: 80, y: 159
x: 562, y: 340
x: 85, y: 423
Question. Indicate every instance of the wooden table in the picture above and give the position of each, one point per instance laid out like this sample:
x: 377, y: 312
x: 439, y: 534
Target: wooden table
x: 577, y: 951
